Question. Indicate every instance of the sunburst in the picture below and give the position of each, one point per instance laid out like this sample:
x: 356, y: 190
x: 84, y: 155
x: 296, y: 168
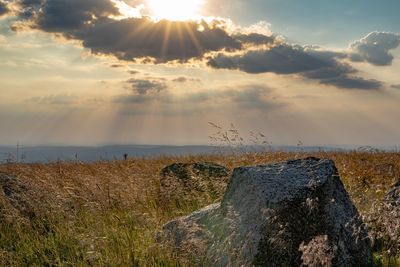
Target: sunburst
x: 177, y: 10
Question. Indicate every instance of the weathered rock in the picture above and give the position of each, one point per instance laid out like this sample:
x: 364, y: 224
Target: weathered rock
x: 183, y: 182
x: 13, y: 196
x: 281, y: 214
x: 393, y: 196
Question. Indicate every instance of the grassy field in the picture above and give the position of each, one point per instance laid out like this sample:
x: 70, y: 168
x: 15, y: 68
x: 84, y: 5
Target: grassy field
x: 109, y: 213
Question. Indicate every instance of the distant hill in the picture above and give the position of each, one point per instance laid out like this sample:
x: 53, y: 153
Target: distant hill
x: 30, y: 154
x: 89, y: 154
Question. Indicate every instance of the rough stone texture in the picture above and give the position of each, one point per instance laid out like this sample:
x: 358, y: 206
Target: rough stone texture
x: 393, y: 196
x: 183, y: 182
x: 13, y: 196
x: 271, y: 214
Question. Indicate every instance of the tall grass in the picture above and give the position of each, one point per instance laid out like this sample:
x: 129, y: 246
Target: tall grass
x: 109, y: 213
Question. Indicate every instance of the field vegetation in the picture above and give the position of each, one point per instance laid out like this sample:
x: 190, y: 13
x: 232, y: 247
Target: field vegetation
x: 109, y: 213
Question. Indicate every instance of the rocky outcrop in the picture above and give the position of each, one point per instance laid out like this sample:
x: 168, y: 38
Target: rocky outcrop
x: 202, y: 182
x: 284, y: 214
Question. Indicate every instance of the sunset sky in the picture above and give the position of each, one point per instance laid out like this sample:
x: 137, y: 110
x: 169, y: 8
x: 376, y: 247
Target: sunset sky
x: 95, y: 72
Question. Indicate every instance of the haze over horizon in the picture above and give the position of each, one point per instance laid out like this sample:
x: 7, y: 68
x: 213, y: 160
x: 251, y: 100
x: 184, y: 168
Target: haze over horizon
x: 143, y: 72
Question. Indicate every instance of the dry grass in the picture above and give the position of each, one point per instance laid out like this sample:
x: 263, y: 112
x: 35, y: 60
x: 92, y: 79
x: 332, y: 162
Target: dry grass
x: 108, y: 213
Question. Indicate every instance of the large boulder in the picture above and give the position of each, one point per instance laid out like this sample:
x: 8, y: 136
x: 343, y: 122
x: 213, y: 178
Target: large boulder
x: 284, y: 214
x: 198, y: 183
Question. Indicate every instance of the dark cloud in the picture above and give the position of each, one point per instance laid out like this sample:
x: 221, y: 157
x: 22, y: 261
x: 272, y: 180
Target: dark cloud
x: 29, y: 8
x: 65, y: 15
x: 396, y: 86
x: 329, y: 72
x: 147, y: 86
x: 90, y: 21
x: 3, y: 8
x: 180, y: 80
x: 310, y: 62
x: 375, y: 48
x: 133, y: 72
x: 163, y: 40
x: 255, y: 38
x: 62, y: 15
x: 350, y: 82
x: 282, y: 59
x: 116, y: 66
x: 183, y: 79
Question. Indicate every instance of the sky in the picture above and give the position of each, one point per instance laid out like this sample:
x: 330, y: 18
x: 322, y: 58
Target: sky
x: 97, y: 72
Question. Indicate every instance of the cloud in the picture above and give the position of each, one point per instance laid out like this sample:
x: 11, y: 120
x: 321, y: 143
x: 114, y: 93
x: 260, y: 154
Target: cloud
x: 183, y: 79
x: 329, y: 72
x: 95, y: 23
x: 180, y: 80
x: 152, y: 90
x: 281, y: 59
x: 375, y: 48
x: 146, y: 86
x: 250, y: 97
x: 116, y: 66
x: 255, y: 38
x: 3, y: 40
x: 61, y: 99
x: 396, y: 86
x: 253, y: 97
x: 162, y: 41
x: 101, y: 27
x: 65, y: 15
x: 349, y: 82
x: 310, y: 62
x: 133, y: 72
x: 132, y: 99
x: 3, y: 8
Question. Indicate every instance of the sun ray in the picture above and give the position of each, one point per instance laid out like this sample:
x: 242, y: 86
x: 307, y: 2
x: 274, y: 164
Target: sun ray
x: 194, y: 39
x: 180, y: 37
x: 166, y: 38
x: 143, y: 28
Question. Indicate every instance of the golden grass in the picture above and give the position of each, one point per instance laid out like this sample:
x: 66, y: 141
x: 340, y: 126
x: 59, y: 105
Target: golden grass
x: 109, y: 213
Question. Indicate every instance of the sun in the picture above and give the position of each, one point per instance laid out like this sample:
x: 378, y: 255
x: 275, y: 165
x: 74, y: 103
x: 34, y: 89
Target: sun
x: 175, y: 9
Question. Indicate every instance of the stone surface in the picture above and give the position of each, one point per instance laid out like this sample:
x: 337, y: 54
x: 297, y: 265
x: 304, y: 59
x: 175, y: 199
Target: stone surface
x: 276, y: 215
x: 204, y: 182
